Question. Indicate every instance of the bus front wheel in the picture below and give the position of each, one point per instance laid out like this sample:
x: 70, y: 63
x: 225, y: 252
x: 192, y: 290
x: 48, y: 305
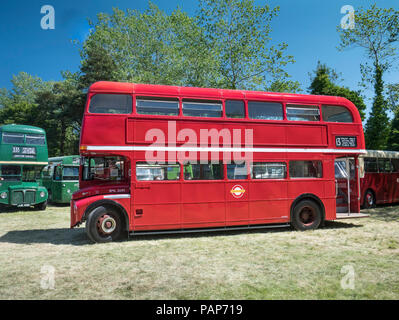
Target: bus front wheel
x: 41, y: 206
x: 104, y: 224
x: 306, y: 215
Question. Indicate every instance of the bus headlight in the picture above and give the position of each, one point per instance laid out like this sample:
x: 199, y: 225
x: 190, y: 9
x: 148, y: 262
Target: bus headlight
x: 3, y: 195
x: 42, y: 194
x: 69, y: 191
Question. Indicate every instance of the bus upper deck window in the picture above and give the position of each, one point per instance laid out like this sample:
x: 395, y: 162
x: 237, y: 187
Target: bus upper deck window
x: 13, y: 137
x: 200, y: 108
x: 235, y: 109
x: 336, y: 114
x: 265, y: 110
x: 303, y: 113
x: 111, y: 103
x: 38, y: 139
x: 156, y: 106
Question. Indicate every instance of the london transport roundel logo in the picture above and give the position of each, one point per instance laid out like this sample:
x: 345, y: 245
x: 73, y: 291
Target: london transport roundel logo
x: 237, y: 191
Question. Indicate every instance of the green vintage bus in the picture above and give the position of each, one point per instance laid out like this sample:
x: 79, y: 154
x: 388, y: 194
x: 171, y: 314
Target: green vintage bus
x: 23, y: 154
x: 61, y: 178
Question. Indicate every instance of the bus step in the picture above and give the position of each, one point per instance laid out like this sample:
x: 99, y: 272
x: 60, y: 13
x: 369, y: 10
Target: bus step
x: 351, y: 215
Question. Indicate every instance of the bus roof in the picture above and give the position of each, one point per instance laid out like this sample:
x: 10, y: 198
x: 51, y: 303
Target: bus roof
x: 131, y: 88
x: 19, y: 128
x: 381, y: 154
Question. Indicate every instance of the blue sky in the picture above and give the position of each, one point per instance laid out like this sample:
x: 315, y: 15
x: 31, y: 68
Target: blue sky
x: 307, y: 26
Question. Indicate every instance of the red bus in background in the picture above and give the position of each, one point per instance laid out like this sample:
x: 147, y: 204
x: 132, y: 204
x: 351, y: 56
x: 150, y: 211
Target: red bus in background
x: 289, y: 178
x: 379, y: 177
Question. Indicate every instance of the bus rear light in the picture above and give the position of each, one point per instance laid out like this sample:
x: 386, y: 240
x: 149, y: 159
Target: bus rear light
x: 83, y: 148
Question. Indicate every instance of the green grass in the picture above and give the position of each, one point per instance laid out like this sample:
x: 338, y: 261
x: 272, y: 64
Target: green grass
x: 265, y: 264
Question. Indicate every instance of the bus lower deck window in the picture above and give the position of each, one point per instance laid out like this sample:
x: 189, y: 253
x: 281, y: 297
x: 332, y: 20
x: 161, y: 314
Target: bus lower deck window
x: 103, y: 168
x: 237, y: 171
x: 306, y: 169
x: 10, y: 173
x: 370, y: 165
x: 151, y: 172
x: 207, y: 171
x: 269, y: 170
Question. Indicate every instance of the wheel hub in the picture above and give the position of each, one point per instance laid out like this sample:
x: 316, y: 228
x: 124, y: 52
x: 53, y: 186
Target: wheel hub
x: 370, y: 199
x: 307, y: 216
x: 106, y: 224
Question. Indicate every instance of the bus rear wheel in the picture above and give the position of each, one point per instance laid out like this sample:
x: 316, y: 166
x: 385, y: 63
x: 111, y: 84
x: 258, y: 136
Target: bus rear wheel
x: 104, y: 224
x: 306, y: 215
x: 369, y: 200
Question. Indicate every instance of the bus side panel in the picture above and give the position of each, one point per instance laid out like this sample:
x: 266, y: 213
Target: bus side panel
x: 268, y: 201
x: 203, y: 204
x: 237, y: 211
x: 156, y: 205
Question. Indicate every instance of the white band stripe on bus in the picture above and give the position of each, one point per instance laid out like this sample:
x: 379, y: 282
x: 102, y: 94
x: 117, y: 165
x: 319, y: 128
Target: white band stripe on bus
x: 220, y: 149
x: 117, y: 196
x: 23, y: 162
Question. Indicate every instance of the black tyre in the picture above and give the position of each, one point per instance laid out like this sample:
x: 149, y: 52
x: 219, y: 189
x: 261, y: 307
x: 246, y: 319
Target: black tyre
x: 306, y: 215
x: 369, y: 200
x: 41, y: 206
x: 104, y: 224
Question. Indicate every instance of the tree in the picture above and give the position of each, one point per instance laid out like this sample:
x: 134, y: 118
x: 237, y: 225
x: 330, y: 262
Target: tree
x: 18, y: 103
x: 153, y: 47
x: 393, y: 102
x: 288, y: 86
x: 24, y: 87
x: 56, y: 113
x: 238, y: 31
x: 377, y: 127
x: 377, y: 32
x: 96, y: 65
x: 393, y: 96
x: 322, y: 83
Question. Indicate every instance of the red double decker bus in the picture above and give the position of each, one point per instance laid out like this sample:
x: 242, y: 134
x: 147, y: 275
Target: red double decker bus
x: 175, y: 159
x: 379, y: 177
